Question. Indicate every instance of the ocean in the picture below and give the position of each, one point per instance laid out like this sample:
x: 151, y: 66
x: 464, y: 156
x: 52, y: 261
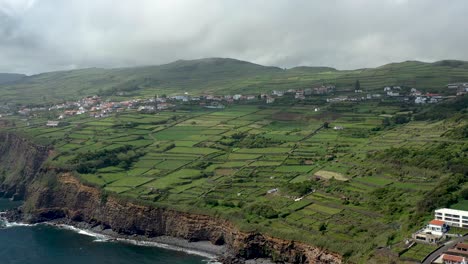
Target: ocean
x: 45, y: 244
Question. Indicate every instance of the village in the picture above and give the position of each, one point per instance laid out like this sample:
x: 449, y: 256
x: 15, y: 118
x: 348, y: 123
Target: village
x: 98, y: 107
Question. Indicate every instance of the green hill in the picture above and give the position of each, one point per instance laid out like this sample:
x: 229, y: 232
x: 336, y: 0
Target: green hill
x: 10, y: 77
x: 225, y: 76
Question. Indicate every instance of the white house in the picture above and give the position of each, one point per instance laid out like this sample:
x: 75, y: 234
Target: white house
x: 270, y: 100
x: 278, y: 93
x: 452, y: 217
x: 432, y: 233
x: 437, y: 227
x: 52, y: 123
x: 237, y: 96
x: 415, y: 92
x: 420, y: 100
x: 392, y: 93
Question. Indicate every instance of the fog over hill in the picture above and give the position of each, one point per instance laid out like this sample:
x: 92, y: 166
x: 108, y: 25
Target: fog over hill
x: 39, y: 36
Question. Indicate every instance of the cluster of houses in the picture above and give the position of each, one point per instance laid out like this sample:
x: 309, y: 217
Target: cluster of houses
x: 95, y: 106
x: 437, y: 229
x: 437, y: 232
x: 457, y: 254
x: 462, y: 88
x: 301, y: 94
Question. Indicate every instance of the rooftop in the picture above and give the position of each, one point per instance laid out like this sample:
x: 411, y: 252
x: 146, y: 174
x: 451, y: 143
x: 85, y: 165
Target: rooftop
x: 437, y: 222
x: 452, y: 258
x: 451, y: 211
x: 462, y: 245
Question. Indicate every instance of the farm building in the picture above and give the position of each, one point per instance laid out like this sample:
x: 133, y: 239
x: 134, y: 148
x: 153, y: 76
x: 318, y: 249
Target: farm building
x: 452, y: 217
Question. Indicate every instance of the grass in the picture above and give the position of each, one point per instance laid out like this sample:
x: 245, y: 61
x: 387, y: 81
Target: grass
x: 264, y: 150
x: 418, y: 252
x: 300, y: 168
x: 188, y: 150
x: 378, y: 181
x: 330, y: 174
x: 171, y: 164
x: 181, y: 177
x: 130, y: 182
x: 202, y: 173
x: 460, y: 205
x: 323, y: 209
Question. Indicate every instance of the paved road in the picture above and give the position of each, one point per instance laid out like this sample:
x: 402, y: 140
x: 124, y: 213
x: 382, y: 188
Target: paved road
x: 434, y: 255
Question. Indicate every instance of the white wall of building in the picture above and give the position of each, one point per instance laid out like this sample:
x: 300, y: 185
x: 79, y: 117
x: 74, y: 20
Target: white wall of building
x: 452, y: 217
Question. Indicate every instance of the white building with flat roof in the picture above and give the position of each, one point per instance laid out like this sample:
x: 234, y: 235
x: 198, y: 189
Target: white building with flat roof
x: 452, y: 217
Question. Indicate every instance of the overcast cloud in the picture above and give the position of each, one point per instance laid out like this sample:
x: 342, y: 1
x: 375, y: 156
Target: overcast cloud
x: 45, y: 35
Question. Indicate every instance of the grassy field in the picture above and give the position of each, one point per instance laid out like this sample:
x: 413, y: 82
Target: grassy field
x: 331, y: 188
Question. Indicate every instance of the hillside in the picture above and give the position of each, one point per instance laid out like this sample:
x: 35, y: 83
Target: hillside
x: 266, y: 169
x: 225, y: 76
x: 10, y: 77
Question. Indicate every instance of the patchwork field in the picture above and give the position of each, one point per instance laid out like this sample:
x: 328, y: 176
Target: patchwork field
x: 273, y: 169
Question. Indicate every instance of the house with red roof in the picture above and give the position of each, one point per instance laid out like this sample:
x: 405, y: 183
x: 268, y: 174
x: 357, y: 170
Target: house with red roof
x: 432, y: 233
x: 437, y: 227
x: 452, y: 259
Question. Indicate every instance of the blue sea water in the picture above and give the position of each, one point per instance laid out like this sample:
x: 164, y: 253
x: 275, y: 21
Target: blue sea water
x: 44, y: 244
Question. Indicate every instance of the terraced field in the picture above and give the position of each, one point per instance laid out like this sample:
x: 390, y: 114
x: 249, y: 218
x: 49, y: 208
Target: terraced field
x: 233, y: 161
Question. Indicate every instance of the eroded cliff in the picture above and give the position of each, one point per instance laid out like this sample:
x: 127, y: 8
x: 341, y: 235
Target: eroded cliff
x: 50, y: 194
x: 20, y: 163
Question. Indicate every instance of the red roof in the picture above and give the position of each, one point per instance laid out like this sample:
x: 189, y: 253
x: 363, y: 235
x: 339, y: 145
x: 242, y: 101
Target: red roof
x: 462, y: 245
x: 452, y: 258
x: 437, y: 222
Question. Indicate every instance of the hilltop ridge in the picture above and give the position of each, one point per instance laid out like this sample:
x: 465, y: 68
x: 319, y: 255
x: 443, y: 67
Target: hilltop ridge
x: 225, y: 76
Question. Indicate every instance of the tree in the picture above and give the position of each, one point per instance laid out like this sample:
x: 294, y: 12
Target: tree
x: 464, y: 193
x: 326, y: 125
x: 386, y: 122
x: 357, y: 85
x: 323, y: 228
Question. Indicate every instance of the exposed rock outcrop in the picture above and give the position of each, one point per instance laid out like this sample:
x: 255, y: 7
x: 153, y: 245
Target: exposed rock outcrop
x: 71, y: 199
x: 51, y: 195
x: 20, y: 162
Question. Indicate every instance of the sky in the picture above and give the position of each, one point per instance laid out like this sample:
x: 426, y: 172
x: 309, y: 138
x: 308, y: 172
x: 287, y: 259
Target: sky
x: 47, y: 35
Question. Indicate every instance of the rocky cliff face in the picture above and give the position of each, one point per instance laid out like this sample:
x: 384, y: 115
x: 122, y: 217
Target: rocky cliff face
x: 53, y: 195
x: 70, y: 199
x: 20, y: 162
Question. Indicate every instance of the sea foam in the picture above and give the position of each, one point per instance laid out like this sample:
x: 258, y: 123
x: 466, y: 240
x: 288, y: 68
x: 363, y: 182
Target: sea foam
x: 105, y: 238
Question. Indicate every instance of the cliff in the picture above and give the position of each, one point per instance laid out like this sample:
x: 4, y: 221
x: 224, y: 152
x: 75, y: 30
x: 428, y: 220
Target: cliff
x: 51, y: 195
x: 20, y: 163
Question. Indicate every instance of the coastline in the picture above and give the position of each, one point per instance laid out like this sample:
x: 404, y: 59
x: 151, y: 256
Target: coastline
x: 212, y: 253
